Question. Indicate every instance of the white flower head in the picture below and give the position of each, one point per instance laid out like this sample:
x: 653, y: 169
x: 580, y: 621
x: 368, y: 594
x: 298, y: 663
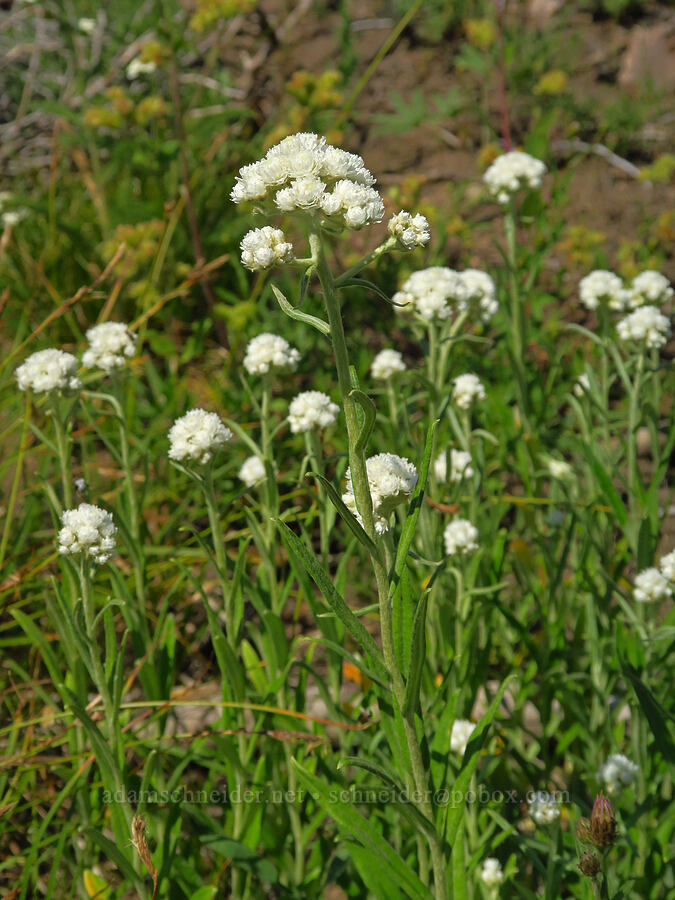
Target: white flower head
x: 646, y: 325
x: 667, y: 565
x: 311, y: 410
x: 197, y: 436
x: 252, y: 471
x: 544, y: 808
x: 617, y: 772
x: 481, y: 290
x: 386, y: 364
x: 513, y: 172
x: 268, y: 352
x: 357, y: 204
x: 137, y: 68
x: 302, y: 193
x: 47, y: 371
x: 460, y: 537
x: 560, y: 469
x: 86, y: 26
x: 460, y: 465
x: 13, y: 217
x: 392, y: 480
x: 410, y: 231
x: 651, y: 586
x: 467, y: 390
x: 491, y: 874
x: 87, y: 530
x: 265, y: 247
x: 434, y: 294
x: 461, y: 732
x: 651, y: 288
x: 111, y: 344
x: 582, y: 385
x: 602, y: 287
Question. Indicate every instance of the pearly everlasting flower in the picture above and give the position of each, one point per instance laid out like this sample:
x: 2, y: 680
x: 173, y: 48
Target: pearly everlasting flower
x: 386, y: 364
x: 311, y: 409
x: 602, y: 287
x: 80, y: 485
x: 435, y: 294
x: 617, y: 772
x: 410, y: 231
x: 467, y: 389
x: 265, y: 247
x: 302, y: 193
x: 252, y: 471
x: 651, y: 586
x: 357, y: 204
x: 13, y: 217
x: 461, y: 732
x: 650, y: 287
x: 88, y: 530
x: 137, y: 67
x: 512, y: 172
x: 111, y: 344
x: 544, y: 808
x: 667, y: 565
x: 460, y: 538
x: 481, y: 290
x: 582, y: 385
x: 269, y: 351
x: 86, y: 26
x: 645, y: 326
x: 491, y: 874
x: 47, y: 371
x: 560, y: 469
x: 197, y: 436
x: 392, y: 480
x: 460, y: 465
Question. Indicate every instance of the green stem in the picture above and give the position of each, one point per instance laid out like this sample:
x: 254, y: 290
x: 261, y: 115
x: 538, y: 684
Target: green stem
x: 385, y: 246
x: 63, y: 449
x: 219, y: 552
x: 634, y: 408
x: 518, y: 320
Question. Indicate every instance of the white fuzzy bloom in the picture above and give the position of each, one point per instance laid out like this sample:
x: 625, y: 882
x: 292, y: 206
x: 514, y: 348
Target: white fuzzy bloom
x: 460, y: 537
x: 386, y: 364
x: 602, y: 287
x: 252, y: 471
x: 544, y: 808
x: 48, y: 370
x: 461, y: 732
x: 511, y: 172
x: 646, y: 326
x: 338, y: 164
x: 560, y: 469
x: 197, y: 436
x: 89, y: 530
x: 80, y: 485
x: 460, y: 465
x: 357, y: 204
x: 392, y: 480
x: 650, y: 287
x: 582, y: 385
x: 667, y: 565
x: 467, y: 389
x: 302, y: 193
x: 410, y: 231
x: 617, y: 773
x: 269, y: 351
x: 251, y: 184
x: 311, y: 409
x: 651, y: 586
x: 264, y: 247
x: 13, y: 217
x: 491, y: 874
x: 111, y: 344
x: 481, y: 290
x: 86, y: 26
x: 137, y: 67
x: 435, y: 294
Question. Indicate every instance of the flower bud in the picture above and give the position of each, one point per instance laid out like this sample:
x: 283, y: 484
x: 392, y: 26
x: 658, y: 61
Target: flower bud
x: 589, y: 864
x: 583, y: 830
x: 603, y: 823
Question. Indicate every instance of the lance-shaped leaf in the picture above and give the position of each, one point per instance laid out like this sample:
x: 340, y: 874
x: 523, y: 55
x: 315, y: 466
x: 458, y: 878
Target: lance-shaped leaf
x: 295, y: 313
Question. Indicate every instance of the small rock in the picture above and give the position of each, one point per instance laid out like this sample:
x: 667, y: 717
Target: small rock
x: 650, y: 56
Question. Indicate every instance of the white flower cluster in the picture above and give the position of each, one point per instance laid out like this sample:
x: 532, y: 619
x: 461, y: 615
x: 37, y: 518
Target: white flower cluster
x: 511, y: 172
x: 434, y: 294
x: 651, y: 586
x: 482, y: 291
x: 86, y: 26
x: 460, y: 537
x: 667, y: 565
x: 48, y: 370
x: 460, y: 465
x: 386, y: 364
x: 391, y: 479
x: 303, y: 172
x: 491, y: 874
x: 311, y: 409
x: 544, y: 808
x: 197, y: 436
x: 645, y: 326
x: 650, y: 287
x: 269, y: 351
x: 467, y: 389
x: 582, y: 385
x: 603, y: 287
x: 137, y: 67
x: 410, y: 231
x: 89, y: 530
x: 265, y: 247
x: 617, y: 772
x: 110, y: 345
x: 461, y: 732
x: 560, y: 469
x: 252, y: 471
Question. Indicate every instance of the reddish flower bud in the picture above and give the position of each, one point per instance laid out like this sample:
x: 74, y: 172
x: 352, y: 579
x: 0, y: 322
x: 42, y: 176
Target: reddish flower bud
x: 603, y: 823
x: 590, y: 864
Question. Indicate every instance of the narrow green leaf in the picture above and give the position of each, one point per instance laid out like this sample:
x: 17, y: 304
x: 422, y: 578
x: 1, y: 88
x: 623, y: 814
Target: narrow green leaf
x: 605, y: 482
x: 369, y: 413
x: 294, y: 313
x: 348, y: 516
x: 418, y: 653
x: 654, y: 712
x: 416, y: 500
x: 111, y: 851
